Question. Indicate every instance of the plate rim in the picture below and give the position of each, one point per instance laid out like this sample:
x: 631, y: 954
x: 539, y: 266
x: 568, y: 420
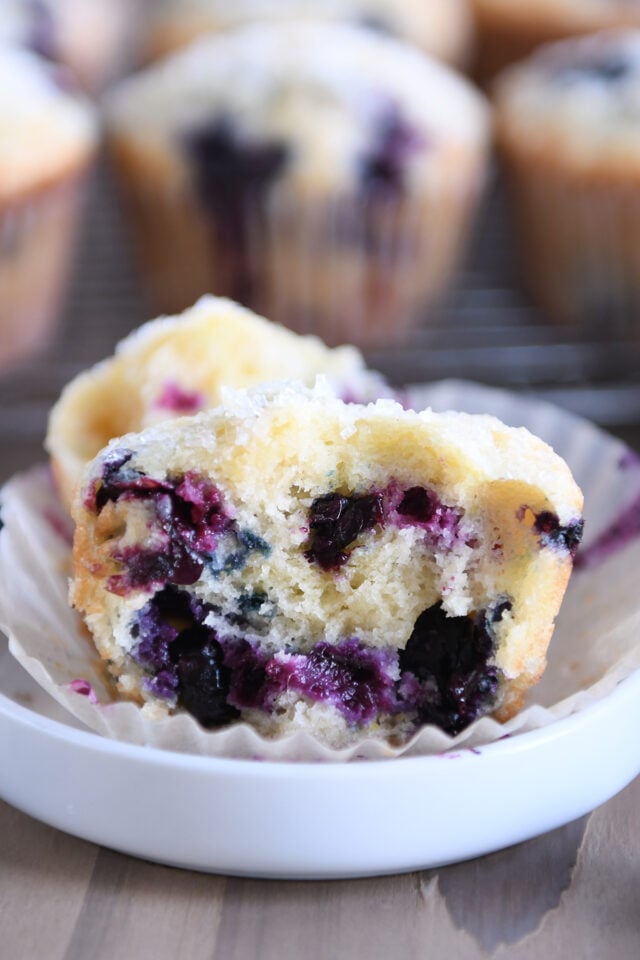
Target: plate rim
x: 90, y: 740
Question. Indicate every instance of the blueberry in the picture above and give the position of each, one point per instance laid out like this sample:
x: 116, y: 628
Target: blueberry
x: 419, y: 504
x: 158, y: 623
x: 202, y: 677
x: 335, y: 521
x: 383, y: 168
x: 234, y: 552
x: 441, y: 523
x: 553, y: 534
x: 231, y: 176
x: 449, y: 658
x: 186, y: 517
x: 116, y: 479
x: 248, y: 687
x: 611, y: 68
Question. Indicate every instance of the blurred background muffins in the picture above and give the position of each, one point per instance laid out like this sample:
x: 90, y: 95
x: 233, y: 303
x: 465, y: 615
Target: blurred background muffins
x: 568, y: 125
x: 89, y: 36
x: 509, y: 30
x: 322, y: 174
x: 48, y: 137
x: 441, y: 28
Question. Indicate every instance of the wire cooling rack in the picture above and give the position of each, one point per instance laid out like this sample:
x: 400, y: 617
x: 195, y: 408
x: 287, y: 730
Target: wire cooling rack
x: 486, y: 331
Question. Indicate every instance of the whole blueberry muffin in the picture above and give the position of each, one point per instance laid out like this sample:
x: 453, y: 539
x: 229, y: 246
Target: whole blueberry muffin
x: 330, y: 193
x: 509, y: 30
x: 567, y: 124
x: 48, y: 137
x: 86, y: 35
x: 441, y: 28
x: 296, y: 562
x: 176, y: 366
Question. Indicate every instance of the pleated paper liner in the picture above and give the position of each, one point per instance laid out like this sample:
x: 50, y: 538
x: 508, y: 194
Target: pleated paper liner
x: 596, y: 643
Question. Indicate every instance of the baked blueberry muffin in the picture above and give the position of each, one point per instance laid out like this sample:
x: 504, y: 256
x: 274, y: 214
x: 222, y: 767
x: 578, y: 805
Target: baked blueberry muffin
x: 567, y: 124
x: 510, y: 30
x: 86, y: 35
x: 296, y: 562
x: 441, y: 28
x: 176, y: 366
x: 48, y: 138
x: 332, y: 194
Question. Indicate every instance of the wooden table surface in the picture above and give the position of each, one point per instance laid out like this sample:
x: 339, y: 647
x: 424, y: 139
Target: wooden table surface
x: 572, y: 893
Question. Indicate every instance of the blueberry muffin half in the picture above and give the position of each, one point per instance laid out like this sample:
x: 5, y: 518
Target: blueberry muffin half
x: 176, y: 366
x: 295, y: 562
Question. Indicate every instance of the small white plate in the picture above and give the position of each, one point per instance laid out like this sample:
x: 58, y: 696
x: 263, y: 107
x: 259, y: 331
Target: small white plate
x: 321, y: 820
x: 309, y: 820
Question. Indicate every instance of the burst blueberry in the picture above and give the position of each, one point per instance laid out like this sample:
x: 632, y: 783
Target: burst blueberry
x: 336, y: 521
x: 450, y: 658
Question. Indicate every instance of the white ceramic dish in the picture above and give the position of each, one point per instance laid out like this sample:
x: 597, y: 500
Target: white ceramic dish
x: 321, y: 820
x: 309, y: 820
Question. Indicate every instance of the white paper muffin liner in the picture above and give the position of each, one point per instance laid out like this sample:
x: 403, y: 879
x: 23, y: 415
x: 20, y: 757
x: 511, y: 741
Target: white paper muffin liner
x: 596, y: 642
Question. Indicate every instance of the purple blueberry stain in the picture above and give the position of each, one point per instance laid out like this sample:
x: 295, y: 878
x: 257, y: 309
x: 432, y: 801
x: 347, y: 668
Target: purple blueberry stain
x: 41, y: 37
x: 85, y: 689
x: 629, y: 459
x: 182, y: 656
x: 622, y: 531
x: 157, y: 624
x: 355, y: 679
x: 232, y: 174
x: 335, y: 523
x: 441, y: 523
x: 186, y: 522
x: 383, y: 168
x: 446, y: 676
x: 250, y: 688
x: 180, y: 400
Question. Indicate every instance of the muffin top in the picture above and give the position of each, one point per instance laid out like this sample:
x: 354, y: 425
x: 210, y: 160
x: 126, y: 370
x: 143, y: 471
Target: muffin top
x: 566, y: 15
x: 46, y: 128
x: 176, y: 366
x: 580, y: 97
x: 440, y: 27
x: 315, y: 99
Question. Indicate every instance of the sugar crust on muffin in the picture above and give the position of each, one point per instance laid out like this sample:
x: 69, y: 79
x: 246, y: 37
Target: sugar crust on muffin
x: 300, y: 563
x: 176, y: 366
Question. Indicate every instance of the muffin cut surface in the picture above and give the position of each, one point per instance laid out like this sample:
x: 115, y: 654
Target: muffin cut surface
x: 296, y: 562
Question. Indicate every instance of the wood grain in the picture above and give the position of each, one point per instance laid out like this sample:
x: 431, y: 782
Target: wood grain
x: 65, y: 899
